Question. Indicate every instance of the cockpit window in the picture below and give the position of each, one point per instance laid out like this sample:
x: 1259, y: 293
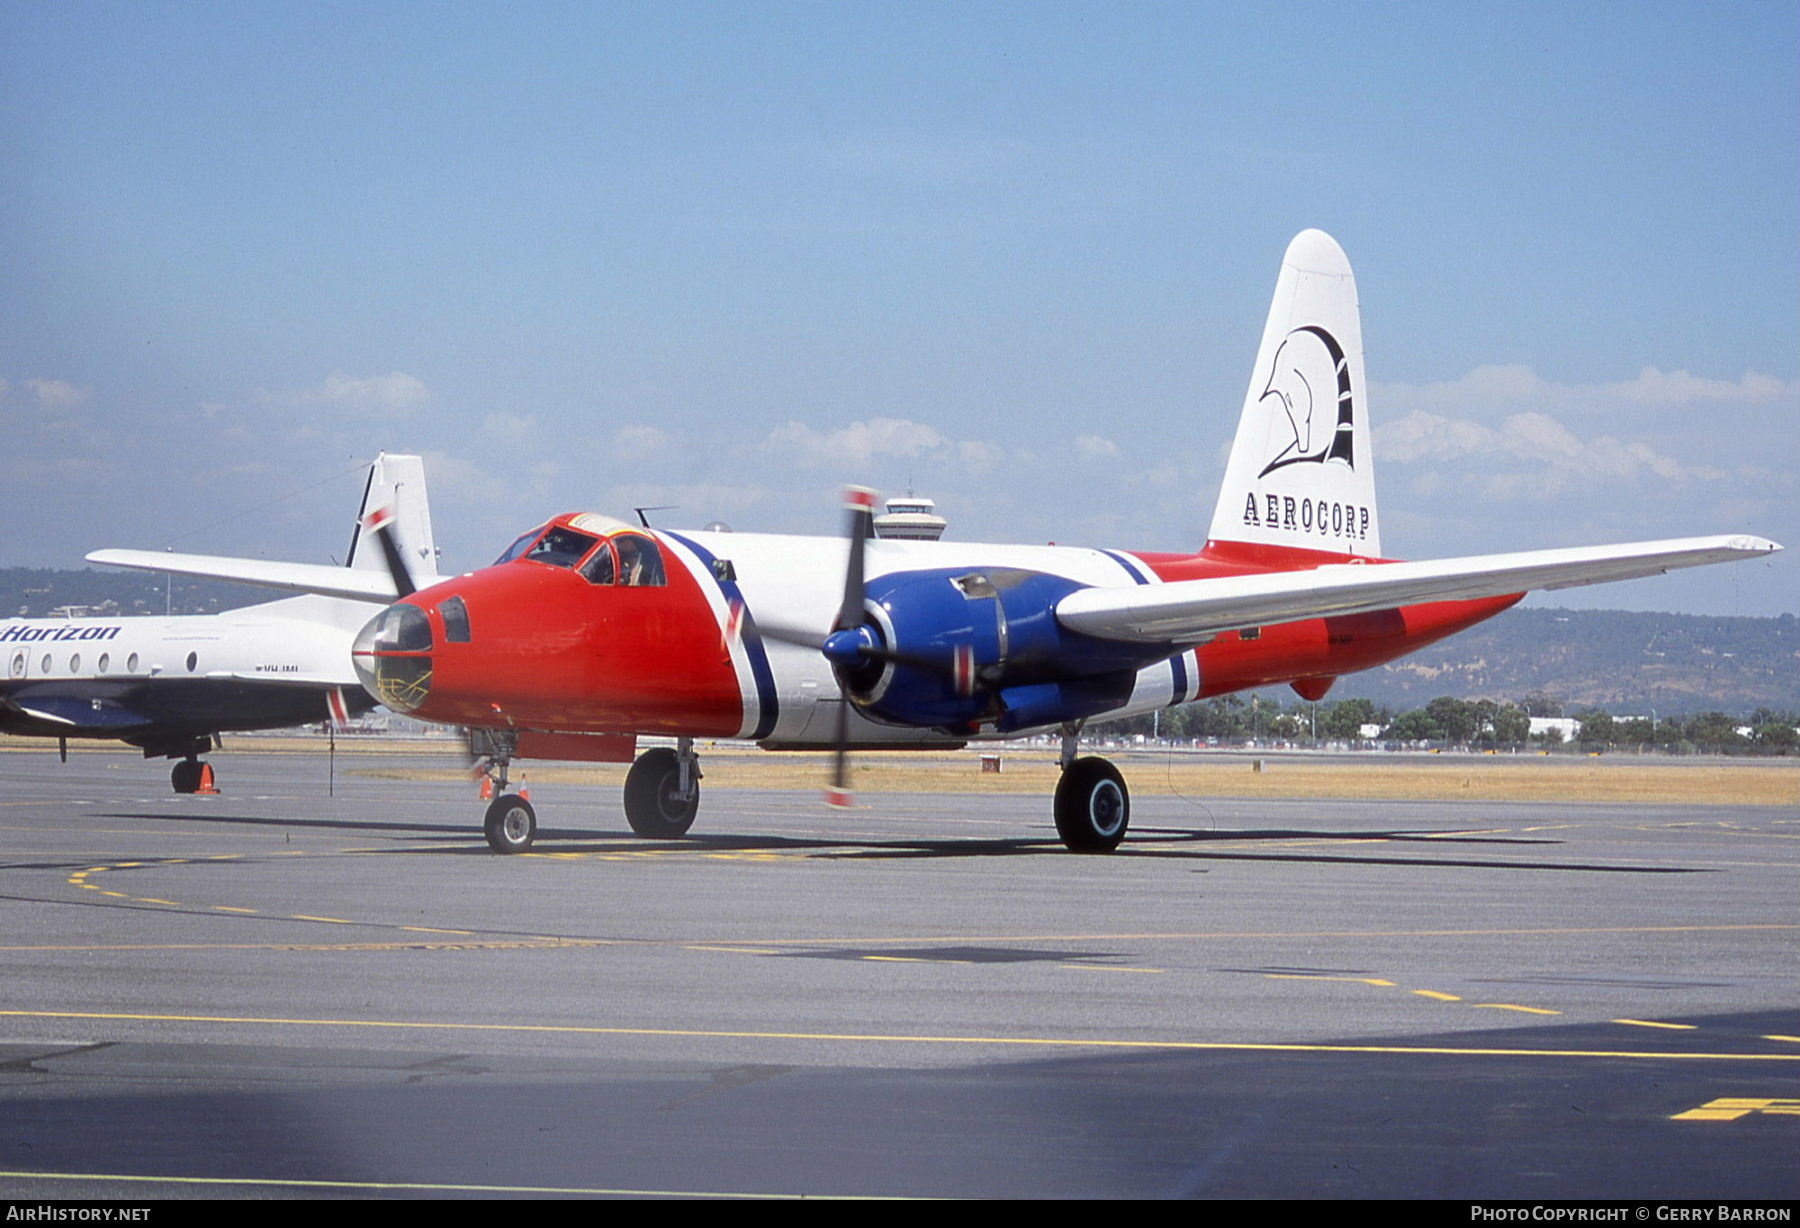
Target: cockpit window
x: 518, y: 547
x: 561, y: 547
x: 626, y: 559
x: 600, y: 569
x: 640, y: 562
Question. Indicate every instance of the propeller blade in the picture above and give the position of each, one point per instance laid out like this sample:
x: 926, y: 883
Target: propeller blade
x: 791, y: 635
x: 839, y: 794
x: 380, y: 522
x: 859, y: 501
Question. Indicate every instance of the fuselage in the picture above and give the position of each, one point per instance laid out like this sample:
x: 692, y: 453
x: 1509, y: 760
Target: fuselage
x: 160, y: 683
x: 555, y: 637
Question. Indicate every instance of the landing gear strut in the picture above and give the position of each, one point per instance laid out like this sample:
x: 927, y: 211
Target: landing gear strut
x: 510, y: 824
x: 1093, y: 806
x: 662, y: 791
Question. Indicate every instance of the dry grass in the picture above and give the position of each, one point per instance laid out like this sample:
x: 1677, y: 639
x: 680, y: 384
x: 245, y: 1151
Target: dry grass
x: 1744, y: 782
x: 1497, y: 778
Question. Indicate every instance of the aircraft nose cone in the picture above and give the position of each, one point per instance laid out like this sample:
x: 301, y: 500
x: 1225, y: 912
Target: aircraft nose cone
x: 392, y: 656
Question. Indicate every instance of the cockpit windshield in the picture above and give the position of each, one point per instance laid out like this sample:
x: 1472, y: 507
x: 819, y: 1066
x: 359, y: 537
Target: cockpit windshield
x: 518, y: 547
x: 561, y: 547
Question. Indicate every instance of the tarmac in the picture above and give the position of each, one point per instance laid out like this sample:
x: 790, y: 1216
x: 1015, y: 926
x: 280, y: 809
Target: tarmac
x: 327, y: 986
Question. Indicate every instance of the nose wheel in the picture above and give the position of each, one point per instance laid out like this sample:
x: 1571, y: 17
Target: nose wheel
x: 511, y: 824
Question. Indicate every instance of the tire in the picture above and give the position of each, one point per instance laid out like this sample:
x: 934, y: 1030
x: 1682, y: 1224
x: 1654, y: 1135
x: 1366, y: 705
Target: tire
x: 1093, y: 807
x: 653, y: 804
x: 185, y: 776
x: 511, y: 824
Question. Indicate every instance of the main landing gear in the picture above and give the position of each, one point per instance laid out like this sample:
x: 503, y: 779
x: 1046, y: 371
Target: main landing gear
x: 192, y: 775
x: 1093, y: 806
x: 662, y: 793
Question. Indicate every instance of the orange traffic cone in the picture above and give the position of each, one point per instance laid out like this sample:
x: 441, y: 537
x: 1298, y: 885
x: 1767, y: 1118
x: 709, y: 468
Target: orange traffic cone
x: 487, y: 788
x: 206, y: 780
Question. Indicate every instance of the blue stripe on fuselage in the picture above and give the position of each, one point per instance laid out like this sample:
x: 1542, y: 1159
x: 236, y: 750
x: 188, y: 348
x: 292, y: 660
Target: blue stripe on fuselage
x: 768, y: 703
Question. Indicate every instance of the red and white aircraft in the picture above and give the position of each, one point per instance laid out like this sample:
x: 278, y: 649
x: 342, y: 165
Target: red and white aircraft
x: 588, y: 631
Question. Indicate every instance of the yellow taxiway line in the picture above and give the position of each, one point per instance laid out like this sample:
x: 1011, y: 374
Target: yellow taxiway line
x: 1047, y: 1042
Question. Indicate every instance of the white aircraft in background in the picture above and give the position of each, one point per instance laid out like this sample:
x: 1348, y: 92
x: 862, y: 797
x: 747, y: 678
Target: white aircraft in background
x: 171, y: 685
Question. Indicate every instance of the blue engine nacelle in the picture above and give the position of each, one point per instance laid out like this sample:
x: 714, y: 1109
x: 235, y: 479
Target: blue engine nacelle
x: 956, y: 649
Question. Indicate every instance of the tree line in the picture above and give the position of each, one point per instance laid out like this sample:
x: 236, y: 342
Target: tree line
x: 1478, y: 724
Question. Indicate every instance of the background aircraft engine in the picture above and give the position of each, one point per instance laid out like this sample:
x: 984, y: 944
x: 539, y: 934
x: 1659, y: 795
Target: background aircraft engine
x: 955, y: 649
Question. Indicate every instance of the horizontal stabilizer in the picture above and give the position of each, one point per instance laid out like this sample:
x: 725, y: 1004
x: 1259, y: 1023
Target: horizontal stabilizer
x: 1191, y: 610
x: 347, y: 582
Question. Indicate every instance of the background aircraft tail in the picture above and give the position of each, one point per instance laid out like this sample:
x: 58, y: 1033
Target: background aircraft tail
x: 1301, y: 473
x: 396, y: 483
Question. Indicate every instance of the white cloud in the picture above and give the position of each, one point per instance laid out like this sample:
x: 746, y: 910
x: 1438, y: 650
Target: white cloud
x: 1529, y: 454
x: 391, y: 393
x: 1096, y: 447
x: 54, y: 396
x: 639, y: 441
x: 860, y: 443
x: 1498, y: 387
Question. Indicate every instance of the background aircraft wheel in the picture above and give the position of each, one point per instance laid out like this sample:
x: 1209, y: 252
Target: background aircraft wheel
x: 1093, y: 807
x: 511, y: 824
x: 185, y: 777
x: 653, y: 803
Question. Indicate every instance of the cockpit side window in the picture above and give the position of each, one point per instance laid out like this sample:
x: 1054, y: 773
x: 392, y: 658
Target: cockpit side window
x: 640, y: 561
x: 561, y: 547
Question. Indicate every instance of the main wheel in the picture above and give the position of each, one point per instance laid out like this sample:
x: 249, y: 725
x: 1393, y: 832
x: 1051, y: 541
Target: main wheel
x: 653, y: 803
x: 185, y: 776
x: 1093, y: 807
x: 511, y: 824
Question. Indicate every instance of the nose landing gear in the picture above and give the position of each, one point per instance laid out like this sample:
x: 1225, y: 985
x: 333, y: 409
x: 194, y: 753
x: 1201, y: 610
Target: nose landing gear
x: 510, y: 823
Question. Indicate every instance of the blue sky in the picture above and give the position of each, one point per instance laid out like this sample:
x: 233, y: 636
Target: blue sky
x: 1014, y: 256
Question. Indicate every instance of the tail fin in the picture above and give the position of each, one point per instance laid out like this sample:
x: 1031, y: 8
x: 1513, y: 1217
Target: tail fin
x: 397, y: 483
x: 1300, y: 472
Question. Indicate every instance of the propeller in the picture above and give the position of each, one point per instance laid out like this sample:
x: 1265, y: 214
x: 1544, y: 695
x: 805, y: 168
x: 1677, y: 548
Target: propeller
x: 849, y: 637
x: 853, y: 641
x: 380, y: 522
x: 847, y: 644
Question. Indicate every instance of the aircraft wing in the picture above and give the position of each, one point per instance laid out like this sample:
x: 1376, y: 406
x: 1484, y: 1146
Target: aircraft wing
x: 79, y: 713
x: 348, y: 582
x: 316, y: 681
x: 1191, y: 610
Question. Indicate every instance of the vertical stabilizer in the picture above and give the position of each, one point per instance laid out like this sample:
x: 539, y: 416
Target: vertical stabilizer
x: 1300, y: 472
x: 397, y: 483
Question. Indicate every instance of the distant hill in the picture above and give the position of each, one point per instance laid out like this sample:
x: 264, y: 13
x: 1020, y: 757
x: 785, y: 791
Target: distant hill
x: 34, y: 592
x: 1614, y: 659
x: 1619, y: 660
